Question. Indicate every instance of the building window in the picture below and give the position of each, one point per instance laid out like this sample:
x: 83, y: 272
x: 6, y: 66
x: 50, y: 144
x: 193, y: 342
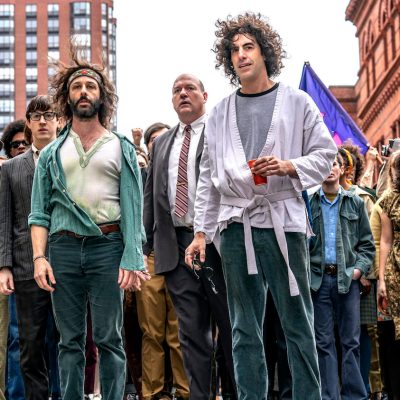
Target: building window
x: 5, y: 120
x: 7, y: 25
x: 83, y: 39
x: 104, y: 40
x: 81, y: 7
x: 104, y: 24
x: 6, y: 73
x: 30, y: 9
x: 52, y: 25
x: 53, y: 41
x: 31, y: 74
x: 6, y: 41
x: 31, y: 41
x: 6, y: 10
x: 31, y: 25
x: 55, y: 54
x: 6, y: 105
x: 31, y: 89
x: 6, y: 57
x: 31, y: 57
x: 104, y: 9
x: 52, y: 10
x: 6, y: 89
x: 81, y: 24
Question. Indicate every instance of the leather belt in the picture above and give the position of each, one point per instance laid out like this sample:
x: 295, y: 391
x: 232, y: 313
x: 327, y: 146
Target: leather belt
x: 105, y: 229
x: 330, y: 269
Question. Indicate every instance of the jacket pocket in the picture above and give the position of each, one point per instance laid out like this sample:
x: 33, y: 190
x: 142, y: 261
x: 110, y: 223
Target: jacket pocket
x: 349, y: 223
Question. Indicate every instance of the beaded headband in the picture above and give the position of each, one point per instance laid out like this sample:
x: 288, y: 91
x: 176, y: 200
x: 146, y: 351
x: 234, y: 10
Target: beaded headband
x: 90, y: 73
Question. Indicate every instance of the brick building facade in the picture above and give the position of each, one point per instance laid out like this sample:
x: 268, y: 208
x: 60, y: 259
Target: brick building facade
x: 31, y: 31
x: 374, y: 101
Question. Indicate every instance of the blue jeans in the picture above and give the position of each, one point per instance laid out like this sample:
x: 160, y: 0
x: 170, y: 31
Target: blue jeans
x: 14, y: 382
x: 247, y: 299
x: 86, y: 270
x: 331, y: 306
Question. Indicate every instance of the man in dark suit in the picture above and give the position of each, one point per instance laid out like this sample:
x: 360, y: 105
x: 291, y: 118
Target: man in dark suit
x: 168, y: 218
x: 16, y: 266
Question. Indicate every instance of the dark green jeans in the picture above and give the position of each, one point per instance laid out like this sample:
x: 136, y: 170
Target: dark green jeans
x: 86, y: 270
x: 246, y: 300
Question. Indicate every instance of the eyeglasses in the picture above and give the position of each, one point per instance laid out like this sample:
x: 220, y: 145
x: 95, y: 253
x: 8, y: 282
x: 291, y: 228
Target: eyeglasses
x: 48, y: 115
x: 207, y: 271
x: 16, y: 143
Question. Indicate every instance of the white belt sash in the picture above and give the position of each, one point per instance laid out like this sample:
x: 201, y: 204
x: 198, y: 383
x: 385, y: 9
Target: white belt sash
x: 252, y: 207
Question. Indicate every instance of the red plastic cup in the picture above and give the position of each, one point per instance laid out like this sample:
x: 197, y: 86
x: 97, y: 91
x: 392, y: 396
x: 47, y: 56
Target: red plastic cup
x: 258, y: 179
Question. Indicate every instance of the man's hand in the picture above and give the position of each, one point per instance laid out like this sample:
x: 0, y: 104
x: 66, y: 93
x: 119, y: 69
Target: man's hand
x: 6, y: 281
x: 356, y: 274
x: 43, y: 271
x: 372, y: 156
x: 137, y: 134
x: 365, y: 286
x: 128, y: 280
x: 198, y: 246
x: 271, y: 165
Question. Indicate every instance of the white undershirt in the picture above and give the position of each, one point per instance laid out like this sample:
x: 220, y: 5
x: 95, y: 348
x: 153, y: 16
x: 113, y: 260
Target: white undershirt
x: 197, y: 128
x: 92, y: 180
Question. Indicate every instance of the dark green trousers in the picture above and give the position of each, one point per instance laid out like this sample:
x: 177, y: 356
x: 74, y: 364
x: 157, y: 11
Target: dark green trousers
x: 246, y: 300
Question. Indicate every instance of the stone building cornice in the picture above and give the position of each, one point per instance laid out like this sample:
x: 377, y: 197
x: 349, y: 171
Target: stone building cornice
x: 352, y: 9
x: 380, y: 96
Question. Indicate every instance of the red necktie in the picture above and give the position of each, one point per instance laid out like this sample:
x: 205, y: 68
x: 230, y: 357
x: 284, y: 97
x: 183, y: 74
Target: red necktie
x: 181, y: 199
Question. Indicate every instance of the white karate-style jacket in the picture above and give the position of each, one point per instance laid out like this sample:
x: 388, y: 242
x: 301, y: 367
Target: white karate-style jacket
x: 226, y: 191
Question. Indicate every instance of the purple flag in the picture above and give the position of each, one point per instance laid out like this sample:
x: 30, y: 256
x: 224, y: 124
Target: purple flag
x: 339, y: 123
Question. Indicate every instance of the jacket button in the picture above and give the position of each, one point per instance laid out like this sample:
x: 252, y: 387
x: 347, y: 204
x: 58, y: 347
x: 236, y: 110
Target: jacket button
x: 169, y: 212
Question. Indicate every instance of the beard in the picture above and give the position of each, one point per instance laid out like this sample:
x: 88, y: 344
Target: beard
x: 85, y: 113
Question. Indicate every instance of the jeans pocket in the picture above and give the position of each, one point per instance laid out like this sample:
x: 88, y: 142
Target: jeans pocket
x: 112, y: 236
x: 55, y: 238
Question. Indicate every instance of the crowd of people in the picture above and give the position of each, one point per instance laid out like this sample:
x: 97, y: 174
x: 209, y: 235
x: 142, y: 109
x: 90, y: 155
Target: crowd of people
x: 238, y: 254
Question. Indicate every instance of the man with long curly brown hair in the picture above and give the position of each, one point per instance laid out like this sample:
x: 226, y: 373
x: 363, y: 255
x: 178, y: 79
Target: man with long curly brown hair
x: 264, y: 144
x: 87, y: 204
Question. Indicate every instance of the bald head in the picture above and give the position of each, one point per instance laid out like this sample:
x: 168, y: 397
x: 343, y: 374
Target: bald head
x: 189, y: 98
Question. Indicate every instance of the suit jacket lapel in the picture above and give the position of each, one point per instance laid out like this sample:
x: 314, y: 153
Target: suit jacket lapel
x: 30, y: 164
x: 167, y: 151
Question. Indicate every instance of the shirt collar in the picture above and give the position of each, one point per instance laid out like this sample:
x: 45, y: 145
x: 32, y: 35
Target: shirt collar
x: 35, y: 150
x: 322, y: 195
x: 197, y: 125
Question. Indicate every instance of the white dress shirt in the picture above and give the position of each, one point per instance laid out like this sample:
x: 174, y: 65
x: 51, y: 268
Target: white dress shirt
x: 195, y: 134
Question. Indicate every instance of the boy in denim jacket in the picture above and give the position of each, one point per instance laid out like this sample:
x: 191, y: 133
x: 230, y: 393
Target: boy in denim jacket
x: 340, y: 253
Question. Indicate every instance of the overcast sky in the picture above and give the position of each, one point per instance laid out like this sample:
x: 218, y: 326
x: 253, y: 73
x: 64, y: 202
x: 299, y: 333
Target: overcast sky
x: 158, y: 40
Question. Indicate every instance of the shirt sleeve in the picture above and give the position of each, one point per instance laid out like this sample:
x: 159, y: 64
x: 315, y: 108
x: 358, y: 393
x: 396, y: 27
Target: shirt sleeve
x: 207, y: 201
x: 41, y: 193
x: 318, y: 150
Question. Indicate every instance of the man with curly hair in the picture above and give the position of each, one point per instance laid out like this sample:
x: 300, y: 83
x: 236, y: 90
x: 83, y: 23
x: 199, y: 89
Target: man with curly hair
x: 263, y: 227
x: 87, y: 205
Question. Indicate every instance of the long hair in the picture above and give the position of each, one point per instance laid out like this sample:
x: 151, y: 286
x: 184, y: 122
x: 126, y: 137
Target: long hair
x: 248, y: 24
x: 60, y: 88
